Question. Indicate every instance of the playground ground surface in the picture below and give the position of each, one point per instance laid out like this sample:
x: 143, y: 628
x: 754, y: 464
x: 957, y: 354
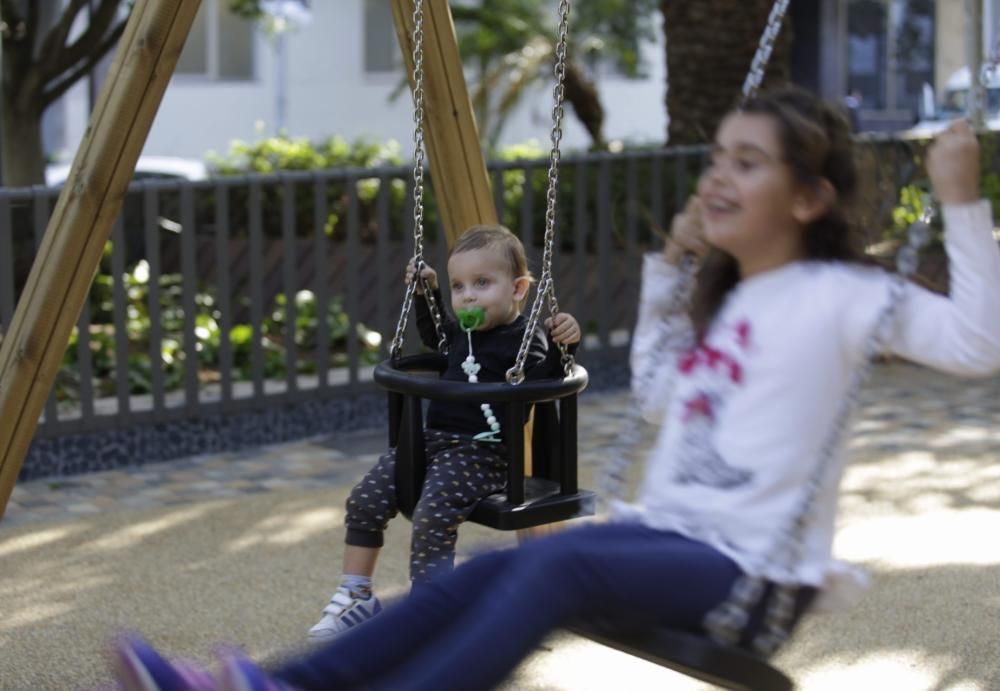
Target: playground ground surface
x: 244, y: 548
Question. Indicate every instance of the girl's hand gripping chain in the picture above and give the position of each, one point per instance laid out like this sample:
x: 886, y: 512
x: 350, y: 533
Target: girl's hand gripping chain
x: 686, y: 234
x: 953, y: 164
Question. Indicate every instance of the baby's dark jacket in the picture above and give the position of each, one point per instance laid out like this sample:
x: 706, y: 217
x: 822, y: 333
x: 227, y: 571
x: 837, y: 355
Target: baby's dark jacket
x: 495, y: 350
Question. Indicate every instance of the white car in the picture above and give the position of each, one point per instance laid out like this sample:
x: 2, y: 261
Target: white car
x: 147, y: 168
x: 954, y: 101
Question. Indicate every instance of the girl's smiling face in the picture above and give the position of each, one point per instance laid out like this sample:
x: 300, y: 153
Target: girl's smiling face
x: 749, y: 196
x: 482, y: 278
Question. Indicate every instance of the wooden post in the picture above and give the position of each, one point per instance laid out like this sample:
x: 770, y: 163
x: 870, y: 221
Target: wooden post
x: 461, y: 184
x: 70, y: 252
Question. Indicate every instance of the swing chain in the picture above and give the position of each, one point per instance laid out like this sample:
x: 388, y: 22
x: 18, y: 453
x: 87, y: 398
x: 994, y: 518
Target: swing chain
x: 727, y: 621
x: 613, y: 476
x: 763, y: 55
x: 432, y: 307
x: 612, y: 480
x: 758, y: 66
x: 546, y: 288
x: 418, y: 194
x: 976, y: 106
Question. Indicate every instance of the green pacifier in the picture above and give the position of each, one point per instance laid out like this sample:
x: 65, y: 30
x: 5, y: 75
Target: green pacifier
x: 471, y: 318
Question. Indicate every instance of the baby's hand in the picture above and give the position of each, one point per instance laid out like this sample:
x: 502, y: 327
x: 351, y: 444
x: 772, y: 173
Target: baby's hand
x: 953, y: 164
x: 428, y: 274
x: 563, y: 328
x: 686, y: 233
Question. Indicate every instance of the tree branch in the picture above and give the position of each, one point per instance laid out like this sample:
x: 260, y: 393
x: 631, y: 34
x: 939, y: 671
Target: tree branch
x: 17, y: 48
x: 10, y: 13
x: 59, y: 88
x: 82, y: 47
x: 54, y: 40
x: 19, y: 31
x: 31, y: 25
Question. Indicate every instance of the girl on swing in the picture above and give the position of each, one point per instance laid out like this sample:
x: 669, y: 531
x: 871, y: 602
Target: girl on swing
x: 781, y: 311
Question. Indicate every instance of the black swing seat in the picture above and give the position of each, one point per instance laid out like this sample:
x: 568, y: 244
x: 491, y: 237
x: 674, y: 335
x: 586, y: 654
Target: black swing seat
x: 694, y: 655
x: 549, y: 495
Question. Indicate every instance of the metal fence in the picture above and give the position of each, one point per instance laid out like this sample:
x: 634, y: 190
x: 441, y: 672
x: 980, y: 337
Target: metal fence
x: 249, y: 293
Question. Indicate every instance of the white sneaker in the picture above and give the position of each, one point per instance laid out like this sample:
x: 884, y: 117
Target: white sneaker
x: 344, y: 612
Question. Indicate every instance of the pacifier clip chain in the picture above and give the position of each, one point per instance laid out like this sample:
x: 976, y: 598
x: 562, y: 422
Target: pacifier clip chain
x: 470, y: 319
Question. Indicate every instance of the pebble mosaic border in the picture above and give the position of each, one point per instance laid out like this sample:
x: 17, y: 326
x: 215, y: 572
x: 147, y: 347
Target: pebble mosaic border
x: 137, y: 445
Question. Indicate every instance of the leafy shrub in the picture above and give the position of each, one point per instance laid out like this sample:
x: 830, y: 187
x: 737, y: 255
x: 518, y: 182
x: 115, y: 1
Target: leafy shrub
x: 284, y: 154
x: 208, y: 337
x: 912, y: 197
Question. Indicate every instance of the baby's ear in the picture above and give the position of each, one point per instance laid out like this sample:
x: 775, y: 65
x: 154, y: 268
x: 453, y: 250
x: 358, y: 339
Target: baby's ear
x: 522, y: 284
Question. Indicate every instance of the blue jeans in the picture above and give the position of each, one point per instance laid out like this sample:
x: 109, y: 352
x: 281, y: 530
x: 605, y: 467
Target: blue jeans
x: 470, y: 628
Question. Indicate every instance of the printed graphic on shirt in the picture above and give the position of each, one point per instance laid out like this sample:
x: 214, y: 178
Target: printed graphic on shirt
x: 715, y: 370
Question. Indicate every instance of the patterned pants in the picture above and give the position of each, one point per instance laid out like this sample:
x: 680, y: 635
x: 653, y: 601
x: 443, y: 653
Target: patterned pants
x: 460, y: 473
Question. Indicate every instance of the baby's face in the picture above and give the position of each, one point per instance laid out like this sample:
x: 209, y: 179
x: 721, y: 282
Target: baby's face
x: 481, y: 278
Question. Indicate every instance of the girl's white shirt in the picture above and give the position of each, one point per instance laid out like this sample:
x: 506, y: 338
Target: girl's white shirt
x: 743, y: 414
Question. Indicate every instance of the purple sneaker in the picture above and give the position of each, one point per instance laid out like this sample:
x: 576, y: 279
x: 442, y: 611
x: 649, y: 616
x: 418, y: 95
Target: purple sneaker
x: 139, y: 667
x: 240, y: 674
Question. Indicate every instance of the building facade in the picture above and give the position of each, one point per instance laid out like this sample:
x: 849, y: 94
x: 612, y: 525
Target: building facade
x: 336, y: 73
x: 885, y: 50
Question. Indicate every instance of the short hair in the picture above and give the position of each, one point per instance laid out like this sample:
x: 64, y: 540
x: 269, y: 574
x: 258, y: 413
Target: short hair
x: 496, y: 237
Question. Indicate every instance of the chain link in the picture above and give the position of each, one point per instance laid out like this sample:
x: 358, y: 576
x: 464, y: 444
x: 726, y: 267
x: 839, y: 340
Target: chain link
x: 546, y: 288
x: 611, y: 482
x: 978, y: 88
x: 760, y: 59
x: 418, y: 194
x: 432, y: 307
x: 758, y: 66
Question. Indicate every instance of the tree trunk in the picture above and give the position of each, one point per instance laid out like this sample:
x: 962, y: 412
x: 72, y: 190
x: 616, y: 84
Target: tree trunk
x: 40, y: 63
x: 21, y: 153
x: 581, y: 93
x: 710, y: 46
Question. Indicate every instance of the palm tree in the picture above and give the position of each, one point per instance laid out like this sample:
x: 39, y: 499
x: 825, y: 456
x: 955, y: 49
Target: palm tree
x: 511, y: 46
x: 710, y: 45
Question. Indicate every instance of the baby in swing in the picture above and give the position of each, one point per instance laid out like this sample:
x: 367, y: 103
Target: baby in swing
x: 746, y: 395
x: 466, y: 456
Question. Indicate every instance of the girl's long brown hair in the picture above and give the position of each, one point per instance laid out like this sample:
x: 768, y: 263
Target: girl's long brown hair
x: 816, y: 142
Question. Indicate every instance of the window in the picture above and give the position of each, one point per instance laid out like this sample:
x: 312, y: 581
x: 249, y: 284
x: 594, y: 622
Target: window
x: 381, y: 47
x: 220, y: 45
x: 914, y: 50
x: 867, y: 54
x: 890, y: 51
